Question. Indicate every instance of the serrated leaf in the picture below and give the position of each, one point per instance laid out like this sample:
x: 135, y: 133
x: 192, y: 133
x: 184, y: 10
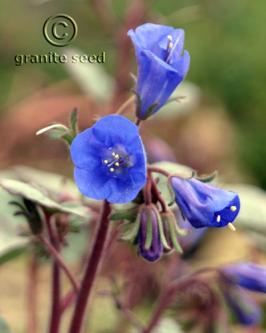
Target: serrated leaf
x: 36, y: 195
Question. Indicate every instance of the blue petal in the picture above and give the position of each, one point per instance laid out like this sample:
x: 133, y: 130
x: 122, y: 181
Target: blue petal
x: 246, y: 311
x: 84, y: 149
x: 247, y: 275
x: 156, y: 82
x: 92, y: 183
x: 204, y: 205
x: 151, y: 37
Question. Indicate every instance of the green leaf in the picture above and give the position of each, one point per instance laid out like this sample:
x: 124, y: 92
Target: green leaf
x: 32, y: 193
x: 3, y: 326
x: 55, y: 131
x: 74, y: 122
x: 124, y: 212
x: 11, y: 244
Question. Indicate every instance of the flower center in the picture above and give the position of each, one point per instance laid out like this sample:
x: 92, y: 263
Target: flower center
x: 116, y: 160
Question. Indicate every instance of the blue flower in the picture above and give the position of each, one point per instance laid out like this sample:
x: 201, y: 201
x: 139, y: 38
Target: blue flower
x: 247, y: 275
x: 149, y: 238
x: 246, y: 311
x: 204, y: 205
x: 161, y: 65
x: 109, y: 159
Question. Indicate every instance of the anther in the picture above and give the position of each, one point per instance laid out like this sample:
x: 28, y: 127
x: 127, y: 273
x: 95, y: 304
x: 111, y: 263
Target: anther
x: 105, y: 161
x: 112, y: 169
x: 218, y: 218
x: 170, y: 42
x: 233, y: 208
x: 117, y: 164
x: 117, y: 156
x: 113, y: 154
x: 231, y: 227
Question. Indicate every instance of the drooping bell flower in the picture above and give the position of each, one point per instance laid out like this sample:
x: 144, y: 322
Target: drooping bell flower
x: 246, y: 275
x: 245, y: 310
x: 109, y: 159
x: 204, y: 205
x: 162, y: 65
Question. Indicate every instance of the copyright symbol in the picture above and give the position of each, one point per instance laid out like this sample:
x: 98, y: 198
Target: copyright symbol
x: 60, y: 30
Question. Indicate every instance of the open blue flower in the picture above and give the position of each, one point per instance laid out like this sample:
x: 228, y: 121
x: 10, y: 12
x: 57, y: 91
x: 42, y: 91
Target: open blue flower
x: 204, y: 205
x: 161, y: 65
x: 247, y: 275
x: 109, y: 159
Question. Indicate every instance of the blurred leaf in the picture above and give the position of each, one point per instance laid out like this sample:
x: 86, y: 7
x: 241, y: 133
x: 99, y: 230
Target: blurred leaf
x: 11, y: 245
x: 252, y: 214
x: 92, y: 78
x: 124, y: 212
x: 50, y: 181
x: 32, y: 193
x: 3, y: 326
x: 166, y: 325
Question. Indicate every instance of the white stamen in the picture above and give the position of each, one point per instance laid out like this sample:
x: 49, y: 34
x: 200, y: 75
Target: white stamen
x: 231, y: 227
x: 117, y: 164
x: 218, y: 218
x: 170, y: 42
x: 112, y: 169
x: 233, y: 208
x: 105, y: 161
x: 113, y: 154
x: 117, y: 156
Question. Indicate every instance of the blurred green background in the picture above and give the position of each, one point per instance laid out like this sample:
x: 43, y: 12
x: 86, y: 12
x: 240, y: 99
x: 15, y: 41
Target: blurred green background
x: 226, y: 40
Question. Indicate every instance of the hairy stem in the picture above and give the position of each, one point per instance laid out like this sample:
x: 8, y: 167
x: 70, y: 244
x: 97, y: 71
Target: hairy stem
x: 91, y: 270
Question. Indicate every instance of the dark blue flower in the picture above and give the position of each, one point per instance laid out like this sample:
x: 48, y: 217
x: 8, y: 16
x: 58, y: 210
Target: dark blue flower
x: 161, y: 65
x: 148, y: 237
x: 246, y: 275
x: 204, y: 205
x: 110, y: 161
x: 246, y: 311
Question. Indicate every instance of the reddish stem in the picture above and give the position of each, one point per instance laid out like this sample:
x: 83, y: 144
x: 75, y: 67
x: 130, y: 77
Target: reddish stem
x: 158, y: 170
x: 32, y: 294
x: 56, y: 282
x: 91, y: 270
x: 60, y: 261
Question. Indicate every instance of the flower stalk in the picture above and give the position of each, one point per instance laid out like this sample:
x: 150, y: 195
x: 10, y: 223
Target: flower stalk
x: 91, y: 269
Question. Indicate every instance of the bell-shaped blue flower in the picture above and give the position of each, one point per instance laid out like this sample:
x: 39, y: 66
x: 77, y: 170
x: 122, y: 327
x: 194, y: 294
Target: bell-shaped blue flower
x: 162, y: 65
x: 204, y: 205
x: 247, y: 275
x: 245, y: 310
x: 109, y: 159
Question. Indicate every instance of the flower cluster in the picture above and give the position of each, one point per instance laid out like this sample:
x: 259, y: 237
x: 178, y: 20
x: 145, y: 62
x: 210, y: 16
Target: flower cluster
x: 110, y: 161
